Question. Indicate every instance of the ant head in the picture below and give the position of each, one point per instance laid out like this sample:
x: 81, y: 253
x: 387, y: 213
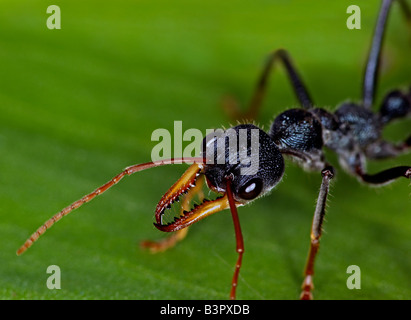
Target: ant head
x: 245, y: 157
x: 395, y: 105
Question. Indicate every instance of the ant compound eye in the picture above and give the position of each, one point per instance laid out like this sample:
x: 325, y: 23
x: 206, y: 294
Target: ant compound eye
x: 251, y: 189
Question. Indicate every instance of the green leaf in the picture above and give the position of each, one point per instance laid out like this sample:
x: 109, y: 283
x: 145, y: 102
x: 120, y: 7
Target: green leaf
x: 78, y: 105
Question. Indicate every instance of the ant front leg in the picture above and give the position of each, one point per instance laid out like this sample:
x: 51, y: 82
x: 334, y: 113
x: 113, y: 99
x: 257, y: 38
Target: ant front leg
x: 239, y: 240
x: 301, y: 92
x: 316, y: 230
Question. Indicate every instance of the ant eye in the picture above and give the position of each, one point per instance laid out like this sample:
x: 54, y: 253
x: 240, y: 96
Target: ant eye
x: 251, y: 189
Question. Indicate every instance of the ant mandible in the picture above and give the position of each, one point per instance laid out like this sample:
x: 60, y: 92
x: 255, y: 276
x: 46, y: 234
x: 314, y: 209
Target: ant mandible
x: 353, y: 132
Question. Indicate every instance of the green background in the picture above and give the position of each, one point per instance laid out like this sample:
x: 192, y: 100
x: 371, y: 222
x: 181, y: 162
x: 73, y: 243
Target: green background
x: 79, y: 104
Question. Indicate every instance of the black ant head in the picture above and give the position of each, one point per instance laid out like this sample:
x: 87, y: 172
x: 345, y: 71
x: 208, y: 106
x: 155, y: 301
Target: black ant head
x: 247, y: 156
x: 395, y: 105
x: 244, y: 156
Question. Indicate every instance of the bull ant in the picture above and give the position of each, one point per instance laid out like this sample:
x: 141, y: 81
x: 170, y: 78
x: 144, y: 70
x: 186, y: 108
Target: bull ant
x: 353, y: 132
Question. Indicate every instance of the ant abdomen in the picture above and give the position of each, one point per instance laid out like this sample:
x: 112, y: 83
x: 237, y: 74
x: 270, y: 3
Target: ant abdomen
x: 395, y: 105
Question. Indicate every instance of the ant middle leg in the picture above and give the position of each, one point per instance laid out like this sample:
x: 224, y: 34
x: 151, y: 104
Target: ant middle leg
x: 300, y: 90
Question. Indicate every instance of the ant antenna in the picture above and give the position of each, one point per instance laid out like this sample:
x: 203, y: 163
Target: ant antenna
x: 126, y: 172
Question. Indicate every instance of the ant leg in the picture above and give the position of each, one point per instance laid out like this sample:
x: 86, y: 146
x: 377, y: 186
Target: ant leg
x: 239, y: 240
x: 166, y: 243
x: 296, y: 82
x: 179, y: 235
x: 384, y: 149
x: 385, y: 176
x: 372, y: 68
x: 316, y: 230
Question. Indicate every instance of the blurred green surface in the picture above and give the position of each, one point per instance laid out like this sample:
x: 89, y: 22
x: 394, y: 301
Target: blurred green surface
x: 79, y: 104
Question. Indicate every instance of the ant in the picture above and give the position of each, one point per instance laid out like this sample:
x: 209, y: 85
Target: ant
x: 353, y: 132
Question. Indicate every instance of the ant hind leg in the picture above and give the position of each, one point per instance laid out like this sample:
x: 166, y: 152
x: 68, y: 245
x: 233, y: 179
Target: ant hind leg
x: 372, y: 68
x: 232, y: 107
x: 385, y: 176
